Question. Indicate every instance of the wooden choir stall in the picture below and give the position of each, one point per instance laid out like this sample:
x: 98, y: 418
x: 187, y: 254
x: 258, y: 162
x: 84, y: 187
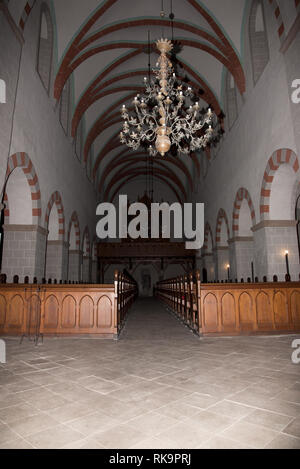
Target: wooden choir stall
x: 232, y: 308
x: 66, y: 309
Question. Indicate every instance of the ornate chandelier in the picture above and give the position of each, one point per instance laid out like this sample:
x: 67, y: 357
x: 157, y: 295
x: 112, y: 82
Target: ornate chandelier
x: 163, y: 117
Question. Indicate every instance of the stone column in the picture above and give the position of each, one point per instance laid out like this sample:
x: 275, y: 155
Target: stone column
x: 86, y: 269
x: 241, y: 256
x: 271, y: 239
x: 95, y: 271
x: 222, y: 260
x: 57, y: 260
x: 24, y: 251
x: 74, y: 265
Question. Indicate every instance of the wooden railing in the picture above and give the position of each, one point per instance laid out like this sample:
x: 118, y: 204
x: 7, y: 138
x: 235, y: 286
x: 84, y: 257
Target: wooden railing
x: 232, y: 308
x: 126, y: 291
x: 66, y: 309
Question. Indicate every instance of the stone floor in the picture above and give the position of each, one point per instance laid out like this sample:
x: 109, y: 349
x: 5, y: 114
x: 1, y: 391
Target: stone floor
x: 159, y: 386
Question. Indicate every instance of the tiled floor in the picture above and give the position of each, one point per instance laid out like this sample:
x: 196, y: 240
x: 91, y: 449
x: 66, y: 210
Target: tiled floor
x: 159, y: 386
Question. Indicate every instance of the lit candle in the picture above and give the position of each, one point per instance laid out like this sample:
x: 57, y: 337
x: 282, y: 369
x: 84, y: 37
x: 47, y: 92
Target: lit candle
x: 228, y: 271
x: 287, y: 262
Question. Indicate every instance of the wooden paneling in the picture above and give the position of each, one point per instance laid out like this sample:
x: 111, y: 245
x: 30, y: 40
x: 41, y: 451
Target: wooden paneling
x: 15, y: 316
x: 225, y: 308
x: 104, y: 318
x: 246, y: 312
x: 2, y: 310
x: 51, y: 312
x: 281, y: 314
x: 68, y: 314
x: 86, y: 312
x: 228, y: 311
x: 62, y: 309
x: 264, y: 313
x: 66, y: 309
x: 295, y: 308
x: 210, y: 311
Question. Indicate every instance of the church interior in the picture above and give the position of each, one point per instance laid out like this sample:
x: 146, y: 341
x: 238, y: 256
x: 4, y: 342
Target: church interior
x: 138, y: 342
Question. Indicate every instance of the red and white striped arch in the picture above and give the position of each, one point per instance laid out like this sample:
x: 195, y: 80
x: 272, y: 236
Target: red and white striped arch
x: 56, y: 199
x: 6, y: 210
x: 222, y: 218
x: 279, y: 157
x: 94, y: 248
x: 26, y: 12
x: 242, y: 194
x: 207, y: 234
x: 74, y: 221
x: 22, y: 160
x: 86, y: 242
x: 279, y: 19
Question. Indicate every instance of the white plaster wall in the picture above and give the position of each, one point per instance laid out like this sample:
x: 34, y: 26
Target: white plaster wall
x: 9, y: 64
x: 38, y: 132
x: 265, y: 124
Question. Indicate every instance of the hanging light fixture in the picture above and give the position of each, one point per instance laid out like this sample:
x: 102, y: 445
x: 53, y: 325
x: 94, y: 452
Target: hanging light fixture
x: 168, y: 114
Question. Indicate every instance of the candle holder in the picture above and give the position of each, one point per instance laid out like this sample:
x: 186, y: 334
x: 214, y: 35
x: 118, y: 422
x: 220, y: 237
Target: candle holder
x: 287, y: 263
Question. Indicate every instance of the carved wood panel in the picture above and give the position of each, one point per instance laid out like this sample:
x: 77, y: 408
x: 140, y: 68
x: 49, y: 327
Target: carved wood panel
x: 210, y: 313
x: 2, y: 310
x: 86, y: 312
x: 238, y: 308
x: 51, y: 312
x: 62, y: 309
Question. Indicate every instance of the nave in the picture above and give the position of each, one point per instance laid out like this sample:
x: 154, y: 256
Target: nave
x: 158, y: 386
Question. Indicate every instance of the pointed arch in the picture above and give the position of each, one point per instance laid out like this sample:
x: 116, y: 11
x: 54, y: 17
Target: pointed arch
x: 45, y: 47
x: 258, y: 39
x: 231, y: 99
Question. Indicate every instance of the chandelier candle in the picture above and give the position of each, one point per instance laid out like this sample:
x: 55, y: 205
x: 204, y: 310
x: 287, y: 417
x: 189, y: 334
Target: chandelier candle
x: 162, y: 117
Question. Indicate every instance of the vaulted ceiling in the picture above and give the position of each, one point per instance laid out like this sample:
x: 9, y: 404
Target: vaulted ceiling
x: 101, y: 48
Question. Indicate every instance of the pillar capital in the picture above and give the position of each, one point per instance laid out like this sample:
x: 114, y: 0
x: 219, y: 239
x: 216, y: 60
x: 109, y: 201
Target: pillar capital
x: 26, y: 228
x: 274, y: 224
x: 240, y: 239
